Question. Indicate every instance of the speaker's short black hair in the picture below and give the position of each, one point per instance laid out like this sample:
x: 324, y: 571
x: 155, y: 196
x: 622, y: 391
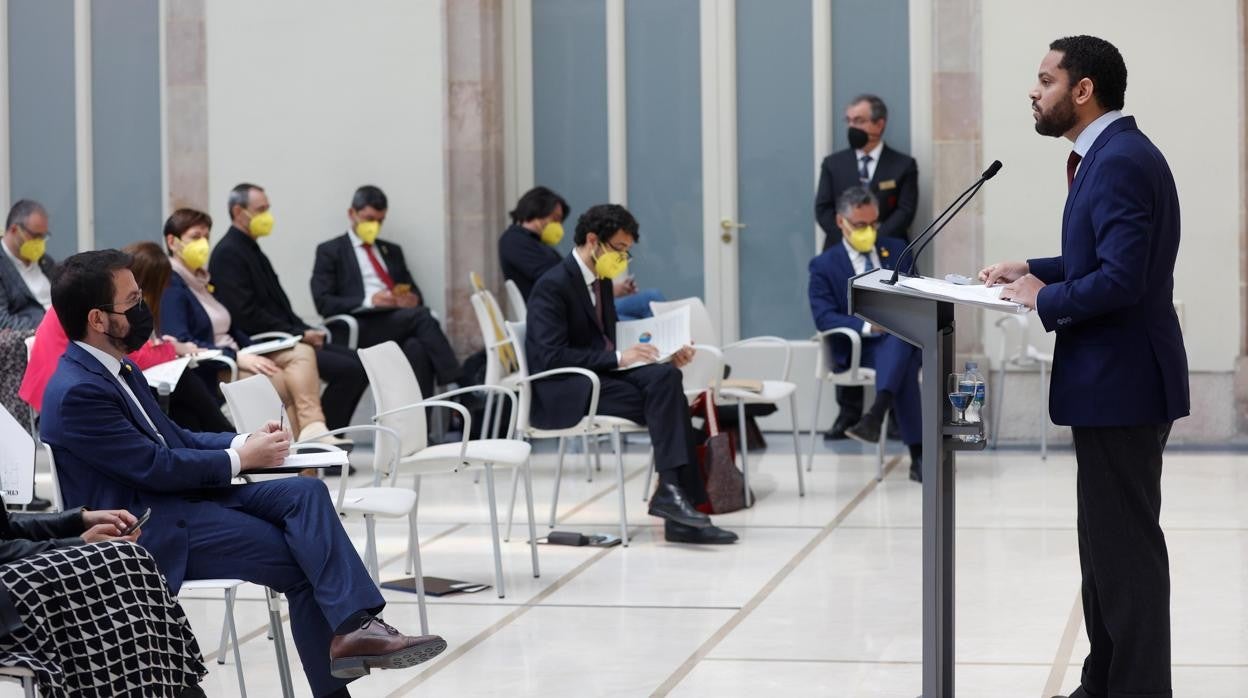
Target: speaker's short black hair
x: 368, y: 195
x: 605, y: 220
x: 83, y: 283
x: 1099, y: 61
x: 538, y: 202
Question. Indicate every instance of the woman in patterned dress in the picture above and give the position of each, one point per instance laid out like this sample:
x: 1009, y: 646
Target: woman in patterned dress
x: 87, y: 610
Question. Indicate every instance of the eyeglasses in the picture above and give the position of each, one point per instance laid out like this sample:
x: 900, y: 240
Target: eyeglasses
x: 106, y: 307
x: 861, y: 226
x: 627, y: 255
x: 33, y: 235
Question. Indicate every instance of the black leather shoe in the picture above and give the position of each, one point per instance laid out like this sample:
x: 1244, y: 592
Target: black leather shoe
x: 867, y: 430
x: 837, y: 432
x: 1078, y: 693
x: 669, y: 503
x: 37, y: 504
x: 916, y: 470
x: 711, y: 535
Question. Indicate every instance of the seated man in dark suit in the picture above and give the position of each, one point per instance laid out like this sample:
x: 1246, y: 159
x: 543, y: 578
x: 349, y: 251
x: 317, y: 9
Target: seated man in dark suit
x: 526, y: 250
x: 571, y: 323
x: 358, y: 273
x: 890, y: 175
x: 25, y: 269
x: 114, y: 446
x: 248, y: 287
x: 896, y: 363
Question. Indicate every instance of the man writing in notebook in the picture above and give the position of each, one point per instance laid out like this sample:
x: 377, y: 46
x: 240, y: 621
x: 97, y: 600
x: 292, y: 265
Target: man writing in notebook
x: 571, y: 323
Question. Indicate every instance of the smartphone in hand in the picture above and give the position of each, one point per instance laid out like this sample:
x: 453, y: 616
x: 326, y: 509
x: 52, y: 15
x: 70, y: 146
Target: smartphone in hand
x: 138, y: 524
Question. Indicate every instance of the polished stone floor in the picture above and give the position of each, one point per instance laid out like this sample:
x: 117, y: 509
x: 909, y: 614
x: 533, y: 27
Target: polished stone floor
x: 819, y: 598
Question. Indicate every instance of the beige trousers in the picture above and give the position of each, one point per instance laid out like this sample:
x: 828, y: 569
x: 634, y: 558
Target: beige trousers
x: 299, y: 385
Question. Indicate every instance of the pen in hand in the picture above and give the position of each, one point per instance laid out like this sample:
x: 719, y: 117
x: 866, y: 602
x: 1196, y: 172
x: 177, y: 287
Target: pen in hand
x: 281, y: 419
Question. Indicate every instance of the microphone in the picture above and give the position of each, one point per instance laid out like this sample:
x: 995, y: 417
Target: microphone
x: 933, y: 229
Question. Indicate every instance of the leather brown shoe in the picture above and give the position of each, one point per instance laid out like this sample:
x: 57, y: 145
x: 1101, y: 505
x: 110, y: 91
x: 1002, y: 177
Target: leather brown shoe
x: 378, y: 646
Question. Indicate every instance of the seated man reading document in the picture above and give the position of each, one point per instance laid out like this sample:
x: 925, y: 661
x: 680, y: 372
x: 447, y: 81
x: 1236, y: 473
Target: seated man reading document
x: 114, y: 447
x: 896, y: 363
x: 571, y: 323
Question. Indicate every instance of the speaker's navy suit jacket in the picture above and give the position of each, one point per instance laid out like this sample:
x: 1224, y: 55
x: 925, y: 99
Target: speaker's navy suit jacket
x: 86, y: 413
x: 1119, y: 358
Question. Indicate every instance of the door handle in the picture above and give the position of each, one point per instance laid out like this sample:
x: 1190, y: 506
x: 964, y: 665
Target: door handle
x: 727, y: 224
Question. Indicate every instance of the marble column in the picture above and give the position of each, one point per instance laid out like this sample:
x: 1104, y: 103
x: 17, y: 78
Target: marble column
x: 474, y: 155
x: 1240, y: 385
x: 957, y: 133
x: 186, y: 104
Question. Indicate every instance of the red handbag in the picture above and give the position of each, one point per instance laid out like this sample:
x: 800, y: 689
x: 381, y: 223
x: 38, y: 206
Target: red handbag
x: 725, y: 485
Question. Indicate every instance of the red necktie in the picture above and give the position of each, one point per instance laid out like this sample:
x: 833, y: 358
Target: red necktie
x: 381, y: 271
x: 1072, y: 164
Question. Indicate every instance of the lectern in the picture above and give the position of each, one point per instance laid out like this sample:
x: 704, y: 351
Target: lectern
x: 924, y: 318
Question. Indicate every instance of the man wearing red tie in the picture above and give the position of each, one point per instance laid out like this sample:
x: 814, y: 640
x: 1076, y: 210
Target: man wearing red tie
x: 361, y: 274
x: 1119, y: 366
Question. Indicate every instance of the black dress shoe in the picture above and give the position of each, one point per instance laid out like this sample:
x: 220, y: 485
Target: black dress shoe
x: 37, y: 504
x: 192, y: 692
x: 837, y: 432
x: 916, y: 471
x: 1078, y: 693
x: 711, y: 535
x: 669, y: 503
x: 867, y: 430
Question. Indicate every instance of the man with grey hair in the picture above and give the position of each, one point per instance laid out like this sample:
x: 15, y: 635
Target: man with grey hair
x: 891, y: 176
x: 25, y: 268
x: 896, y: 363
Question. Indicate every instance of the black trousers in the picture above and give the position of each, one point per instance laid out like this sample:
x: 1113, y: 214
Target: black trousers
x: 849, y: 400
x: 420, y: 337
x: 654, y: 396
x: 1122, y: 554
x: 192, y: 405
x: 345, y: 382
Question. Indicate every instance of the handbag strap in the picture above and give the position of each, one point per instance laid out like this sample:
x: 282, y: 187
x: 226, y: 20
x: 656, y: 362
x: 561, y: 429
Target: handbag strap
x: 712, y: 416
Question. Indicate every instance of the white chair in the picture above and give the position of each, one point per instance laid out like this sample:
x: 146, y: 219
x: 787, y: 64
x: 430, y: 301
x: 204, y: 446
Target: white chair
x: 349, y: 321
x: 773, y: 391
x: 854, y: 375
x: 23, y: 676
x: 229, y: 631
x: 1016, y: 353
x: 515, y: 301
x: 400, y: 407
x: 591, y: 425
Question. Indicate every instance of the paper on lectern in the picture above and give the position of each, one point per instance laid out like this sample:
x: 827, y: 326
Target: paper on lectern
x: 986, y: 295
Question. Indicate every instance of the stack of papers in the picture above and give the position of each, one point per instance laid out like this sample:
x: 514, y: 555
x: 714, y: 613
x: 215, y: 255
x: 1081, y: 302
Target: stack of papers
x: 982, y: 295
x: 668, y: 333
x: 270, y: 346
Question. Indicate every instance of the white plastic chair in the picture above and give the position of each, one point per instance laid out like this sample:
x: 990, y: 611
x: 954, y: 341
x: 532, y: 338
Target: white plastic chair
x: 855, y: 375
x: 23, y: 676
x: 352, y: 325
x: 400, y: 407
x: 515, y: 302
x: 1016, y: 353
x: 591, y: 425
x: 774, y: 391
x: 229, y: 631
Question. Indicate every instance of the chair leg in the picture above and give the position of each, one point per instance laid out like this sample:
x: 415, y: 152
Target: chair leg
x: 797, y: 448
x: 645, y: 491
x: 279, y: 642
x: 996, y: 408
x: 28, y: 687
x: 743, y: 445
x: 619, y: 468
x: 591, y: 446
x: 410, y: 563
x: 1044, y: 410
x: 511, y: 505
x: 233, y: 628
x: 413, y: 552
x: 370, y: 549
x: 498, y: 551
x: 554, y: 501
x: 528, y: 504
x: 814, y: 426
x: 225, y: 627
x: 879, y: 449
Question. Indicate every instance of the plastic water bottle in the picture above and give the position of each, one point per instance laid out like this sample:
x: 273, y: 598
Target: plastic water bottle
x: 975, y: 384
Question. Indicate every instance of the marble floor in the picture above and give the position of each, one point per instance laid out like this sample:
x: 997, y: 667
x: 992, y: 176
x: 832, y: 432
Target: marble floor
x: 819, y: 598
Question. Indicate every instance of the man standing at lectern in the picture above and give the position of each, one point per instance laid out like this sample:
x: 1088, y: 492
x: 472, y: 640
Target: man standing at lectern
x: 1119, y: 366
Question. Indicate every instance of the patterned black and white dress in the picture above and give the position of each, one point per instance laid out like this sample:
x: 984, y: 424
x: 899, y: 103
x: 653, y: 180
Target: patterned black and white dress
x: 98, y: 620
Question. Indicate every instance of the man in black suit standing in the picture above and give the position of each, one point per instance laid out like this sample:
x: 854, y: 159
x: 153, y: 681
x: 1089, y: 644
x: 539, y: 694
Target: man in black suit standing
x: 360, y: 274
x: 571, y: 323
x: 247, y: 285
x: 891, y: 176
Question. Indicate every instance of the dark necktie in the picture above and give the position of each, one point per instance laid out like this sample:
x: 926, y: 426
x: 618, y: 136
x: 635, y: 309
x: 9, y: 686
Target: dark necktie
x: 128, y: 377
x: 869, y: 266
x: 864, y: 175
x: 1072, y: 164
x: 602, y: 327
x: 381, y: 271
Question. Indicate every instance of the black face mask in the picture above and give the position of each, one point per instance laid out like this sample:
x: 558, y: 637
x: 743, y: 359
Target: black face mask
x: 857, y: 138
x: 141, y: 326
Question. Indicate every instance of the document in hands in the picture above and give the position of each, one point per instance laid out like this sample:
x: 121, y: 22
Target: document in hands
x: 270, y: 346
x: 989, y: 296
x: 669, y: 332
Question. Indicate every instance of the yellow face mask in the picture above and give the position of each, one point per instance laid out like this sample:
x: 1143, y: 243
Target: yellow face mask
x: 33, y: 249
x: 261, y: 224
x: 552, y: 233
x: 368, y: 231
x: 862, y: 239
x: 194, y: 254
x: 610, y: 264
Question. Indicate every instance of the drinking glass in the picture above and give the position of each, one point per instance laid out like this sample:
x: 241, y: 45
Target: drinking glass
x: 959, y: 397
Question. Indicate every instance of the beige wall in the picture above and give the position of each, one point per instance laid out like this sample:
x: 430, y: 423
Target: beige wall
x: 311, y: 104
x: 1183, y: 88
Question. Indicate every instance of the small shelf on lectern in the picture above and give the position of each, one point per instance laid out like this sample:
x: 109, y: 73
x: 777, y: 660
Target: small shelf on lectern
x: 976, y: 429
x: 953, y: 431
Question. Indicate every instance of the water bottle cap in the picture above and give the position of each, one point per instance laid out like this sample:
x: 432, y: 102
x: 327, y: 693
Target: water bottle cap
x: 972, y: 365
